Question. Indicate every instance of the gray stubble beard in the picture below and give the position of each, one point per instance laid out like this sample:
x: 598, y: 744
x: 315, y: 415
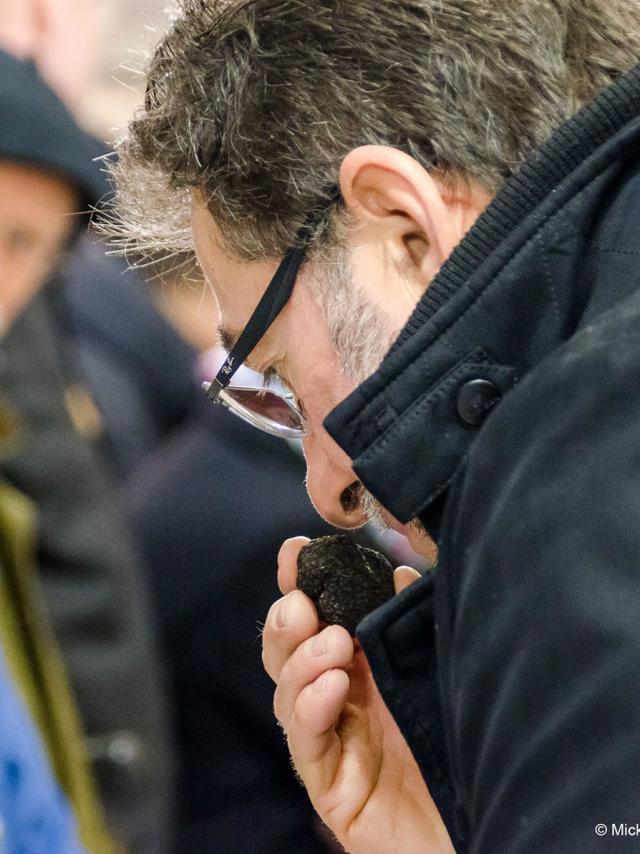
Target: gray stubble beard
x: 361, y: 334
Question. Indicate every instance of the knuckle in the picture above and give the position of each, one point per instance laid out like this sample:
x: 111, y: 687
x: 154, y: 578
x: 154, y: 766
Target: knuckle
x: 288, y: 673
x: 303, y: 713
x: 297, y: 721
x: 333, y: 642
x: 301, y: 614
x: 298, y: 669
x: 312, y: 648
x: 270, y: 622
x: 334, y: 635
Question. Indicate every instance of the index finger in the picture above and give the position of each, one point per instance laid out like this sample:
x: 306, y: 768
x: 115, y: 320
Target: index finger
x: 288, y: 563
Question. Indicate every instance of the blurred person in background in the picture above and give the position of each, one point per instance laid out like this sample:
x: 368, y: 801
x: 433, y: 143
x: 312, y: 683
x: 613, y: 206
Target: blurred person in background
x: 138, y: 369
x: 87, y: 566
x: 98, y: 305
x: 45, y: 177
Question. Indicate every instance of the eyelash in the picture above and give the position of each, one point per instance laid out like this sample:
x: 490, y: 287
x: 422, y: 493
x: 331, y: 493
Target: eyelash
x: 271, y: 377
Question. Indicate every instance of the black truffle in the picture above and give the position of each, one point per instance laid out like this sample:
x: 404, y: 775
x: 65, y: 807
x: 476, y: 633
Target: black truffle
x: 344, y: 580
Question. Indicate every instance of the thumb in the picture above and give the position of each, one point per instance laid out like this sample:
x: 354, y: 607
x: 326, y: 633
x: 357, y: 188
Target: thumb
x: 287, y: 563
x: 403, y: 576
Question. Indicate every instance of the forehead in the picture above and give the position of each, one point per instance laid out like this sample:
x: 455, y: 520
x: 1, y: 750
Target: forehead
x: 238, y: 284
x: 32, y: 198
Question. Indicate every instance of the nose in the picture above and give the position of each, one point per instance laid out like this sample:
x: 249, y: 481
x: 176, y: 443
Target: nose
x: 333, y: 487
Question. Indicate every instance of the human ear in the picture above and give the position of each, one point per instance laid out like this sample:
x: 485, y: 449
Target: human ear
x: 392, y: 195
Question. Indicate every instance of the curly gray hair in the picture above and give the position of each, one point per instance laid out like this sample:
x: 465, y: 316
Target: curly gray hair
x: 255, y: 103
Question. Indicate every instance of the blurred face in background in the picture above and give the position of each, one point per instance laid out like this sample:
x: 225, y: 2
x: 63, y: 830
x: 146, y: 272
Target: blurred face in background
x: 36, y: 224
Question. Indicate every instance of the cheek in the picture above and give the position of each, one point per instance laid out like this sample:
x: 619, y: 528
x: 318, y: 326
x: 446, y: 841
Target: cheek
x: 318, y: 381
x: 320, y: 398
x: 315, y: 369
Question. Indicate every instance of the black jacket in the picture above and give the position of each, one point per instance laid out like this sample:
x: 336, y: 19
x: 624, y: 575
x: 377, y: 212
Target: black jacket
x: 507, y: 417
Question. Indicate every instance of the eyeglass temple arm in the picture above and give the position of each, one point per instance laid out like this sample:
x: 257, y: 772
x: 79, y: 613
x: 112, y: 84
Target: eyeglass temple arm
x: 271, y: 304
x: 273, y: 301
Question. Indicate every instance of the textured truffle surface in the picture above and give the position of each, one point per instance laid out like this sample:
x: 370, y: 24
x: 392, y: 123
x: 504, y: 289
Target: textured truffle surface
x: 344, y: 580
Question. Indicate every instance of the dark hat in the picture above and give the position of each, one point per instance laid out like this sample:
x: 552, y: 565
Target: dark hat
x: 36, y: 128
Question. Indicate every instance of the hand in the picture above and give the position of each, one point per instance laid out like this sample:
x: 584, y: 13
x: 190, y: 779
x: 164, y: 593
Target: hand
x: 357, y: 768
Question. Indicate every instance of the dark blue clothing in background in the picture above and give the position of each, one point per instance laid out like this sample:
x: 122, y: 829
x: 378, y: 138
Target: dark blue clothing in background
x: 139, y: 369
x: 211, y: 509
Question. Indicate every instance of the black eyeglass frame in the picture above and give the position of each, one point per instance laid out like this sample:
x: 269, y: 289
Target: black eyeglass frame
x: 272, y: 302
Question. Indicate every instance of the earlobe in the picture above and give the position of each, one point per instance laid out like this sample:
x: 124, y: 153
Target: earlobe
x: 387, y: 189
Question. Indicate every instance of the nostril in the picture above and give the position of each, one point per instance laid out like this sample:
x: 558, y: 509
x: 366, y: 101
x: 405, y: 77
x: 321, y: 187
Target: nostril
x: 351, y: 497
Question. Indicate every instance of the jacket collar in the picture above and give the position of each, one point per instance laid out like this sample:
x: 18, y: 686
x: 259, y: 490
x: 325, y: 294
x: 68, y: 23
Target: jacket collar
x: 495, y: 309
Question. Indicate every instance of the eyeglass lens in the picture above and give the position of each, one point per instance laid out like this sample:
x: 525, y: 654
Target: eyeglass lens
x: 267, y: 408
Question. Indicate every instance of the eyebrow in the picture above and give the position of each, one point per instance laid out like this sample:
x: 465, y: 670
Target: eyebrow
x: 228, y: 338
x: 274, y: 373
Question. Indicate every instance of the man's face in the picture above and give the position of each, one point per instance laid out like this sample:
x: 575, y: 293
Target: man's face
x: 299, y: 347
x: 35, y: 224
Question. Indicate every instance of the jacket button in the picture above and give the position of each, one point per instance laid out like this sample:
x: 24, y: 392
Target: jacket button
x: 475, y: 399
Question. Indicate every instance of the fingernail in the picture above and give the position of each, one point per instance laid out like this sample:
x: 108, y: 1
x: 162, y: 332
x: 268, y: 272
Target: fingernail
x: 319, y: 645
x: 320, y: 684
x: 406, y: 572
x: 281, y: 613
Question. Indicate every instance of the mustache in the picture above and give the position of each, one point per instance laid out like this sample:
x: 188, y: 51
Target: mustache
x: 356, y: 497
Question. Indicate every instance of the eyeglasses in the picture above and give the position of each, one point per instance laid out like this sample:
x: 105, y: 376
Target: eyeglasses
x: 265, y: 408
